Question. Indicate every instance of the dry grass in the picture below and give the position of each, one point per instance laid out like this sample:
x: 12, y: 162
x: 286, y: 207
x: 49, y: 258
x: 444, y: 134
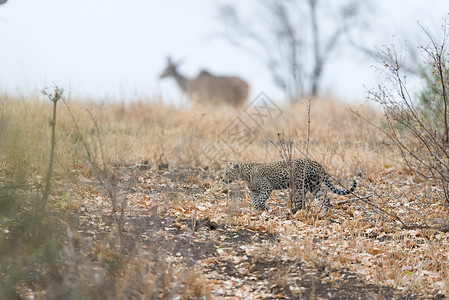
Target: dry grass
x: 159, y: 134
x: 149, y: 130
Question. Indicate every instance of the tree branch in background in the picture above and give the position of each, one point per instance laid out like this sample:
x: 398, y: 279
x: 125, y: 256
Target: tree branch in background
x: 295, y: 44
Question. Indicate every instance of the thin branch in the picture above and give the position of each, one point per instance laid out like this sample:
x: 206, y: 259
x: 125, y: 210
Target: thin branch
x: 351, y: 200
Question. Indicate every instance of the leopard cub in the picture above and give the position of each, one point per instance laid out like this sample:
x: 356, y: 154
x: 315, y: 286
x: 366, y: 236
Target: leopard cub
x: 263, y: 178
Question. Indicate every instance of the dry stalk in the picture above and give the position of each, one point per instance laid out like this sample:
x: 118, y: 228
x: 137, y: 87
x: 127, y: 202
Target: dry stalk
x: 309, y: 122
x: 352, y: 200
x: 54, y: 97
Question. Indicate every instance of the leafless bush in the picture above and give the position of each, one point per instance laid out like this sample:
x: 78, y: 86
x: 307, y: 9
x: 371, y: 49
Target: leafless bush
x: 285, y: 149
x: 420, y: 134
x: 96, y: 158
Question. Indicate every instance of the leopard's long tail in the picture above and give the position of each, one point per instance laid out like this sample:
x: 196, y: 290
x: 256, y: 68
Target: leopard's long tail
x: 337, y: 190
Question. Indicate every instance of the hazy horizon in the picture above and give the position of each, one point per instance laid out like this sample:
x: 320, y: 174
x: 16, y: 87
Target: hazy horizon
x: 116, y: 50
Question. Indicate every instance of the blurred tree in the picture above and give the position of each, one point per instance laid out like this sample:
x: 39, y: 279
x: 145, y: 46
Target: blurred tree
x: 295, y: 39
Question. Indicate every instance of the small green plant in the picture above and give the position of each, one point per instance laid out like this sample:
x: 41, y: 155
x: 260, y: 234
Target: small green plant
x: 54, y: 97
x: 433, y: 95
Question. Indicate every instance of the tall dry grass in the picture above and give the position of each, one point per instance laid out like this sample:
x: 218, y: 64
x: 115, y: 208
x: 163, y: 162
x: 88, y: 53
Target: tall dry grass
x: 151, y: 131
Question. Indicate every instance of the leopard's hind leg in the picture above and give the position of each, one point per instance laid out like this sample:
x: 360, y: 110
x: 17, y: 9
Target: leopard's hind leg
x: 320, y: 195
x: 255, y: 199
x: 299, y: 200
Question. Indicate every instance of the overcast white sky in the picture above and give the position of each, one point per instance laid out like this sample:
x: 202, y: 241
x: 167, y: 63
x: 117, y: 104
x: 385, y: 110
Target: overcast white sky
x: 110, y: 49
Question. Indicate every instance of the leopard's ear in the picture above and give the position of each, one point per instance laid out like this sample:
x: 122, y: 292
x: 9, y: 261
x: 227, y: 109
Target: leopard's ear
x: 234, y: 165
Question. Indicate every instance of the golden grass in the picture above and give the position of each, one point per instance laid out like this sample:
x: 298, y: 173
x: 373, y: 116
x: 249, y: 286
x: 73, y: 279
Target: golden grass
x: 151, y: 131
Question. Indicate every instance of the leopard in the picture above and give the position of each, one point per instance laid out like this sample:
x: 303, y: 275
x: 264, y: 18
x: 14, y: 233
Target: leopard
x: 262, y: 178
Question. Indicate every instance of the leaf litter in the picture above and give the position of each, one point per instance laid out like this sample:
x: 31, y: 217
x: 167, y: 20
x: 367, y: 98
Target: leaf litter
x: 355, y: 251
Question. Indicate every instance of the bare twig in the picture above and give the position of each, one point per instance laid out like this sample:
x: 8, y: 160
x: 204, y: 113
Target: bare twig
x: 352, y: 200
x: 309, y: 122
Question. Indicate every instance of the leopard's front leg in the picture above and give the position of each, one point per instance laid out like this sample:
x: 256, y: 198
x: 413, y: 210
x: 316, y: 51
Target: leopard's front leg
x: 259, y: 195
x: 258, y: 200
x: 263, y: 197
x: 255, y: 193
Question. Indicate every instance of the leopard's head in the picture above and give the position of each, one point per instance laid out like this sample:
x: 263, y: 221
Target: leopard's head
x: 232, y: 172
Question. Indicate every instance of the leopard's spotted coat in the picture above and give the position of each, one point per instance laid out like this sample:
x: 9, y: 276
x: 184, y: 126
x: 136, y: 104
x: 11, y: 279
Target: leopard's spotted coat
x: 263, y: 178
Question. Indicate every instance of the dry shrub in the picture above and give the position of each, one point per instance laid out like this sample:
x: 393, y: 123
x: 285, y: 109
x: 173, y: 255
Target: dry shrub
x: 280, y: 278
x: 150, y: 275
x: 195, y: 286
x: 420, y: 131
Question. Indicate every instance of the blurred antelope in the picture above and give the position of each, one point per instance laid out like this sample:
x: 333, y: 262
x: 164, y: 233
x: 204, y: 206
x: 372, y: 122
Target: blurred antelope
x: 207, y: 88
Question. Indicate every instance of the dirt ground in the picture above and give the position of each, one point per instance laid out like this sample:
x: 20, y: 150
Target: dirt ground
x: 190, y: 218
